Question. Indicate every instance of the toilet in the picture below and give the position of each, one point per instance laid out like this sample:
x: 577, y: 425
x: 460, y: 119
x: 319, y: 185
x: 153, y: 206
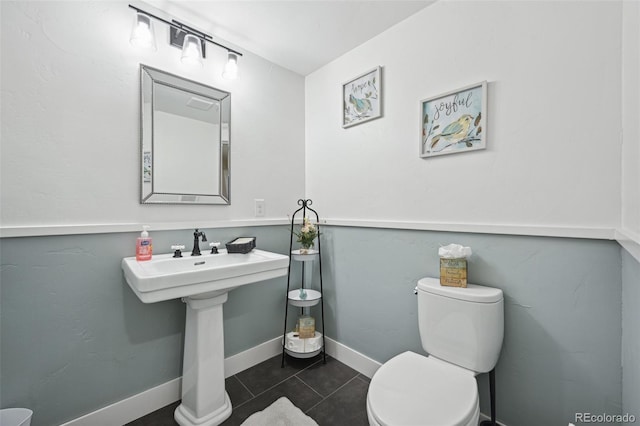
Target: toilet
x: 461, y: 329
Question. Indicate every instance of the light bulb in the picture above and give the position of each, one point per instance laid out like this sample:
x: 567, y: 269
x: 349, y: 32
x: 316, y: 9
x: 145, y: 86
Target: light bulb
x: 231, y: 68
x: 192, y: 50
x: 142, y: 34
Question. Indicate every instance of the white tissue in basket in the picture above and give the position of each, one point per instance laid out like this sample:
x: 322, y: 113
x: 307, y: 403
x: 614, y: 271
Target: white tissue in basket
x: 454, y: 251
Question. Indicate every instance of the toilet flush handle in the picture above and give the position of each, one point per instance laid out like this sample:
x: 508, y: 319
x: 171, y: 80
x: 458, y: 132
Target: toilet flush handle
x: 415, y: 290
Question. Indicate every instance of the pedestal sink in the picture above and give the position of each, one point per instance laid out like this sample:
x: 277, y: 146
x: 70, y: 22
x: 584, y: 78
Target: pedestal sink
x: 203, y: 283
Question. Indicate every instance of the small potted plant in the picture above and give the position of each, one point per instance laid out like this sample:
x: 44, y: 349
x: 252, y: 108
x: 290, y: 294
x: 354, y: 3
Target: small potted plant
x: 306, y: 236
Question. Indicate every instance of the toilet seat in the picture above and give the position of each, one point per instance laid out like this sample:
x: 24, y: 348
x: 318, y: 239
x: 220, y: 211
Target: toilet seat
x: 415, y: 390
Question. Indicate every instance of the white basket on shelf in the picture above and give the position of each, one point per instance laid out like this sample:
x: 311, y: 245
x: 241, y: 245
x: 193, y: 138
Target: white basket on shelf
x: 303, y: 348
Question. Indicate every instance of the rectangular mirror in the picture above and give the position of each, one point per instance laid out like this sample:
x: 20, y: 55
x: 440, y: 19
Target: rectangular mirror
x: 185, y: 140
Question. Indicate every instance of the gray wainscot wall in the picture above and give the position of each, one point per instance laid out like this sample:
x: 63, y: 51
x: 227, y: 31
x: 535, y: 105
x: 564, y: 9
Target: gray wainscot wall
x: 630, y: 335
x: 561, y: 352
x: 75, y: 338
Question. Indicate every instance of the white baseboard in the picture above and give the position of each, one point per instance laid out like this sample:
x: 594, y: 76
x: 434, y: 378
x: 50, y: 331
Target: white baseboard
x: 146, y: 402
x: 252, y: 356
x: 484, y: 417
x: 133, y: 407
x: 354, y: 359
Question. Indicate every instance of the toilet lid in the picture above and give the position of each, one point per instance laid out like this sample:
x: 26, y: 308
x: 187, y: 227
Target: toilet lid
x: 412, y: 389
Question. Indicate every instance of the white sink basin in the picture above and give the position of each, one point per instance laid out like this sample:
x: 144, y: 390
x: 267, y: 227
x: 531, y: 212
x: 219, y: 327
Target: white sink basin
x: 165, y: 277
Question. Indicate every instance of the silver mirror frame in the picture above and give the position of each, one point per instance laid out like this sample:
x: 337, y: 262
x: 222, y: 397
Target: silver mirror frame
x: 149, y: 77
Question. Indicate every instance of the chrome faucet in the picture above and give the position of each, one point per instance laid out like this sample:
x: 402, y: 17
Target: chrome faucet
x: 196, y: 242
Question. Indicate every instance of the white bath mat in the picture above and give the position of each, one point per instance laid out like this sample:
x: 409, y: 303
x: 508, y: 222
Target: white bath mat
x: 280, y: 413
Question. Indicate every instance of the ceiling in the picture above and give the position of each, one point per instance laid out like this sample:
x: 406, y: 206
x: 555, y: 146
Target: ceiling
x: 300, y: 35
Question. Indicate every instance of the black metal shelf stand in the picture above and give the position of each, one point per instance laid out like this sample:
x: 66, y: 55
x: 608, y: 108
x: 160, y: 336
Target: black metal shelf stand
x: 305, y: 208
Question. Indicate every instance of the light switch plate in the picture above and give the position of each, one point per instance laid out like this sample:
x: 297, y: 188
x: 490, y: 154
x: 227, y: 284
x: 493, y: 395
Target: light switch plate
x: 259, y: 207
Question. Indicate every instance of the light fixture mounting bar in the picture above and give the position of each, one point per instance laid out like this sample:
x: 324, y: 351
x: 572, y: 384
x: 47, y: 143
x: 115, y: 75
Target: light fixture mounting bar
x: 186, y: 29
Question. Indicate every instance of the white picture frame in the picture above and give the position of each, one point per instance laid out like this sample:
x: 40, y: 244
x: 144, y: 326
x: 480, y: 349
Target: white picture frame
x: 454, y: 121
x: 362, y: 98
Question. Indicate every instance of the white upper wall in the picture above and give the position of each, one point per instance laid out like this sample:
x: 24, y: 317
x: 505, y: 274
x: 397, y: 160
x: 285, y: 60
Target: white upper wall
x: 70, y: 121
x: 631, y: 117
x: 554, y: 119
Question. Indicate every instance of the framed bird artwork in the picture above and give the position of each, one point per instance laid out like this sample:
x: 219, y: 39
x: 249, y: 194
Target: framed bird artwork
x: 362, y: 98
x: 454, y: 121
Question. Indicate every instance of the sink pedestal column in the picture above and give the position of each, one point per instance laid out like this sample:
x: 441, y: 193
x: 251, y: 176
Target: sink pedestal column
x: 204, y: 399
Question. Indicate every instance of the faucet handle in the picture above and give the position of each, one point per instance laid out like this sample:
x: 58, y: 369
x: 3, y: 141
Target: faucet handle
x: 177, y: 248
x: 214, y: 247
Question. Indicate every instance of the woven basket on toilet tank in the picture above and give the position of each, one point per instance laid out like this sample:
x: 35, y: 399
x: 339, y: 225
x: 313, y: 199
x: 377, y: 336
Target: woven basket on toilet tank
x: 453, y: 272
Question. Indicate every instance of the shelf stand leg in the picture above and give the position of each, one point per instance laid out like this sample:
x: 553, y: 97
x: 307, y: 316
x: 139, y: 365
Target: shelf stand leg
x: 492, y: 395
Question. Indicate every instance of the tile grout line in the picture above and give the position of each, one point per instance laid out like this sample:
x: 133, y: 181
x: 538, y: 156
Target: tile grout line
x: 322, y: 397
x: 280, y: 382
x: 244, y: 386
x: 328, y: 396
x: 359, y: 376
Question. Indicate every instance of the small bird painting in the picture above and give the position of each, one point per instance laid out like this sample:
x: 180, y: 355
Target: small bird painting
x: 455, y: 131
x: 361, y: 106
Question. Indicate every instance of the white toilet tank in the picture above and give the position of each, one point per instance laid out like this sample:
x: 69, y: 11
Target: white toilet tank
x: 463, y: 326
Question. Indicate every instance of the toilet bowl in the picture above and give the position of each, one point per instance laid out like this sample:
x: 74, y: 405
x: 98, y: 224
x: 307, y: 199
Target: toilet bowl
x: 462, y: 330
x: 415, y: 390
x: 15, y: 417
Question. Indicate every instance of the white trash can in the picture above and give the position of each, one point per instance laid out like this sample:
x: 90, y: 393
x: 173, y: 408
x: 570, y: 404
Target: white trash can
x: 15, y: 417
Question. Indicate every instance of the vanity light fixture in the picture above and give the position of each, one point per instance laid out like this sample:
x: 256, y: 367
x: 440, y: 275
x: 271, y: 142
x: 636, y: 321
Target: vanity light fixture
x: 191, y: 41
x: 142, y: 34
x: 192, y: 50
x: 231, y: 68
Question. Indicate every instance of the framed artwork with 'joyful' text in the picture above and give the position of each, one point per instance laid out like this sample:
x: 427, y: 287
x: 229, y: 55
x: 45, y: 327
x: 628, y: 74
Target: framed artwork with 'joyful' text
x: 454, y: 121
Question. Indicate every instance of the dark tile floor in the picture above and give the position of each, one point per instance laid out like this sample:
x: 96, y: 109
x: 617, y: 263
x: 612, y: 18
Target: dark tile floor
x: 332, y: 393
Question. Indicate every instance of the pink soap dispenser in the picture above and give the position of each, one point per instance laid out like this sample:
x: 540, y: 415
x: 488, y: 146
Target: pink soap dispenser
x: 144, y: 247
